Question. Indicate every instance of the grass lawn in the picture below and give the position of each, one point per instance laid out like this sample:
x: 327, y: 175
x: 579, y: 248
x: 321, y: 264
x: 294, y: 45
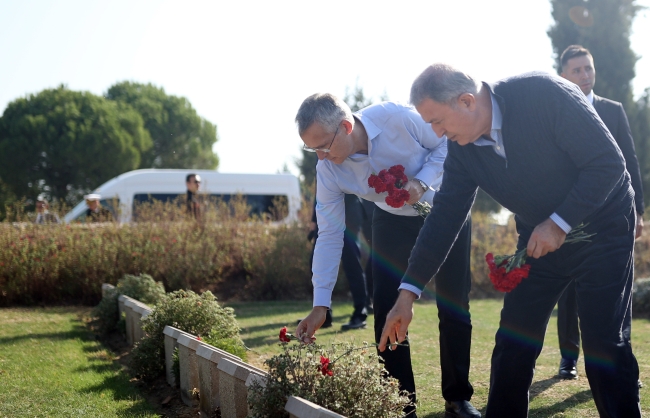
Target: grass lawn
x: 51, y: 366
x: 550, y: 397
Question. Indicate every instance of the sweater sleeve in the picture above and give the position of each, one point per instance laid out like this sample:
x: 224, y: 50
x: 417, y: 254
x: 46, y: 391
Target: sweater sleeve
x: 451, y: 206
x: 578, y: 131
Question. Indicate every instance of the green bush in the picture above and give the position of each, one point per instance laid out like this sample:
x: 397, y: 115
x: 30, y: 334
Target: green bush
x: 142, y: 288
x: 354, y: 384
x: 42, y: 264
x: 197, y: 315
x: 641, y: 297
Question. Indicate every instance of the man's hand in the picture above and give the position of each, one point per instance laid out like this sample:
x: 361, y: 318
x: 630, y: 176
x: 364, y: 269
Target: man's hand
x: 639, y: 226
x: 398, y: 320
x: 415, y: 191
x: 308, y: 326
x: 546, y: 238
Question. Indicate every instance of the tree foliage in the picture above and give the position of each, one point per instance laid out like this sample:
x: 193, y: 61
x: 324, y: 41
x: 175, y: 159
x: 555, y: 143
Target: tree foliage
x: 64, y: 143
x: 181, y: 138
x: 603, y: 27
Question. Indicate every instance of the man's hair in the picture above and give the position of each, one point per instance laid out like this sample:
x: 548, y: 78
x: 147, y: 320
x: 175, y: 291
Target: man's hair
x: 573, y: 51
x: 189, y: 177
x: 442, y: 83
x: 325, y: 109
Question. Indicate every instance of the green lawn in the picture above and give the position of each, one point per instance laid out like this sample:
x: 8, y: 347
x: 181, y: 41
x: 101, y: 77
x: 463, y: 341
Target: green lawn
x: 550, y: 397
x: 51, y: 366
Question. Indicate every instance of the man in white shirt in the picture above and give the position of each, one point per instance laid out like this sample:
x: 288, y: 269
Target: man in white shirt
x: 350, y: 148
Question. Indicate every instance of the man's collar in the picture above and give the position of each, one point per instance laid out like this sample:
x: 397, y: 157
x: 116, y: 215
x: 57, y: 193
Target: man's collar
x: 372, y: 130
x: 590, y: 97
x: 497, y: 117
x: 497, y: 103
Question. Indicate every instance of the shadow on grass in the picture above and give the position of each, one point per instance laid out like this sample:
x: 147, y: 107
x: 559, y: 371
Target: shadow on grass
x: 561, y: 407
x: 79, y: 332
x: 541, y: 385
x: 246, y: 310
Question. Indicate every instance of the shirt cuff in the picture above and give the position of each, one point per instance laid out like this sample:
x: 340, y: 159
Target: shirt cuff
x: 410, y: 288
x: 560, y: 222
x: 322, y: 297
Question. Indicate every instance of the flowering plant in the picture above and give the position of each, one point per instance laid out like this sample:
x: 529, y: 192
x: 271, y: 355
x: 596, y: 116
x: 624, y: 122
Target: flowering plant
x: 393, y: 181
x: 507, y: 271
x: 346, y: 379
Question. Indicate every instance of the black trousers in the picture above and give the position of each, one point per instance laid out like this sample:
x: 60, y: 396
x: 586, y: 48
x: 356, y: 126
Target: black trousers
x: 393, y: 237
x: 602, y: 270
x: 568, y: 330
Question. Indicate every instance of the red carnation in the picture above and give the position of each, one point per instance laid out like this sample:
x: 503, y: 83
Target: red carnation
x: 397, y: 171
x: 376, y: 183
x: 283, y: 335
x: 325, y: 366
x: 397, y: 198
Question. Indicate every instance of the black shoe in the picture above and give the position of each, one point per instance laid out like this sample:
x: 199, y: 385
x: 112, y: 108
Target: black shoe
x: 568, y: 369
x: 355, y: 323
x: 370, y: 310
x: 460, y: 409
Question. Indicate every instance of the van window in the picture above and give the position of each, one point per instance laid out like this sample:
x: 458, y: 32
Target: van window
x: 266, y: 206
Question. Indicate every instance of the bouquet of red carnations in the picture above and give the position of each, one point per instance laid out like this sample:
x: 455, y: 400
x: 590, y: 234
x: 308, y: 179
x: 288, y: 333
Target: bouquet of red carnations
x: 393, y: 181
x: 507, y: 271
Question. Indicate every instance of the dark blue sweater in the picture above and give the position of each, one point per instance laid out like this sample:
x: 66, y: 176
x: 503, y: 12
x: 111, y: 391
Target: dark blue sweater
x: 560, y: 158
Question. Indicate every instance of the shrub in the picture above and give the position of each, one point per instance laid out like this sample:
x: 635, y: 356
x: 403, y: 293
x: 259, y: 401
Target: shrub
x: 42, y: 264
x: 641, y: 297
x: 142, y: 288
x: 197, y: 315
x: 353, y: 384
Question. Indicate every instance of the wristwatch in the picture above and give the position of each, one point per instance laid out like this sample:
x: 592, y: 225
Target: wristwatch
x: 425, y: 186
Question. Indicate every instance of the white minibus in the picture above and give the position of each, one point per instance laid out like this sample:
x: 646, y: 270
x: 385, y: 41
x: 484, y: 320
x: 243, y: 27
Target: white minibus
x: 131, y: 188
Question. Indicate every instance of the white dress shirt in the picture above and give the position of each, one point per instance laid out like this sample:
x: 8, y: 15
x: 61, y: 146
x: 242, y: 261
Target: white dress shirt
x: 396, y: 135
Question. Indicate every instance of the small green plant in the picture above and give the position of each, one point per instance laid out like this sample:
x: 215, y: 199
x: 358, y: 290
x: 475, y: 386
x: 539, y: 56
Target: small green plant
x: 343, y: 378
x: 197, y: 315
x: 142, y: 288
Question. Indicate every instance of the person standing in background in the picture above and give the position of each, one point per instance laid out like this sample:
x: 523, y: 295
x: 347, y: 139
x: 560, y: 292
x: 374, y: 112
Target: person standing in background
x: 578, y: 67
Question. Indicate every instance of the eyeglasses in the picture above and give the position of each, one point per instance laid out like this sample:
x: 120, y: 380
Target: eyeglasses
x: 326, y: 150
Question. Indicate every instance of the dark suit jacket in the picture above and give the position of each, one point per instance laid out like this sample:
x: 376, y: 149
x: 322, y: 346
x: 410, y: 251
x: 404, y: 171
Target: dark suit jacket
x: 560, y: 158
x: 613, y: 114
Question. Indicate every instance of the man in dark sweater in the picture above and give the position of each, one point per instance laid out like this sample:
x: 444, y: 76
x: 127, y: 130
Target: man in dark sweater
x: 578, y: 67
x: 535, y: 145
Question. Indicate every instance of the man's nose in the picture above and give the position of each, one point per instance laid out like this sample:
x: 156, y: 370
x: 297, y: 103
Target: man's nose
x: 321, y: 155
x: 438, y: 130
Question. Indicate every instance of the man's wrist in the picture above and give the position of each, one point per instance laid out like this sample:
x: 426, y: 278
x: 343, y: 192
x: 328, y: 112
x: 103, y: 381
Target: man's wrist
x: 422, y: 184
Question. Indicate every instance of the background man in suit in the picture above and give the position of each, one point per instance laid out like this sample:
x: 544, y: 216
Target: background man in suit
x: 535, y: 145
x: 43, y: 216
x: 578, y: 67
x: 193, y: 183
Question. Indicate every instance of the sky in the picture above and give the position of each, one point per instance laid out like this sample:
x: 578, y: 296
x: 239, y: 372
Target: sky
x: 246, y: 66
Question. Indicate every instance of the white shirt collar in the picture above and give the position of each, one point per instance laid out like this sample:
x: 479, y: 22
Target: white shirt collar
x: 590, y: 97
x: 497, y: 116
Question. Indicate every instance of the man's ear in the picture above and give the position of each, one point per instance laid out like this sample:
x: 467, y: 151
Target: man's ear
x: 467, y: 101
x: 348, y: 126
